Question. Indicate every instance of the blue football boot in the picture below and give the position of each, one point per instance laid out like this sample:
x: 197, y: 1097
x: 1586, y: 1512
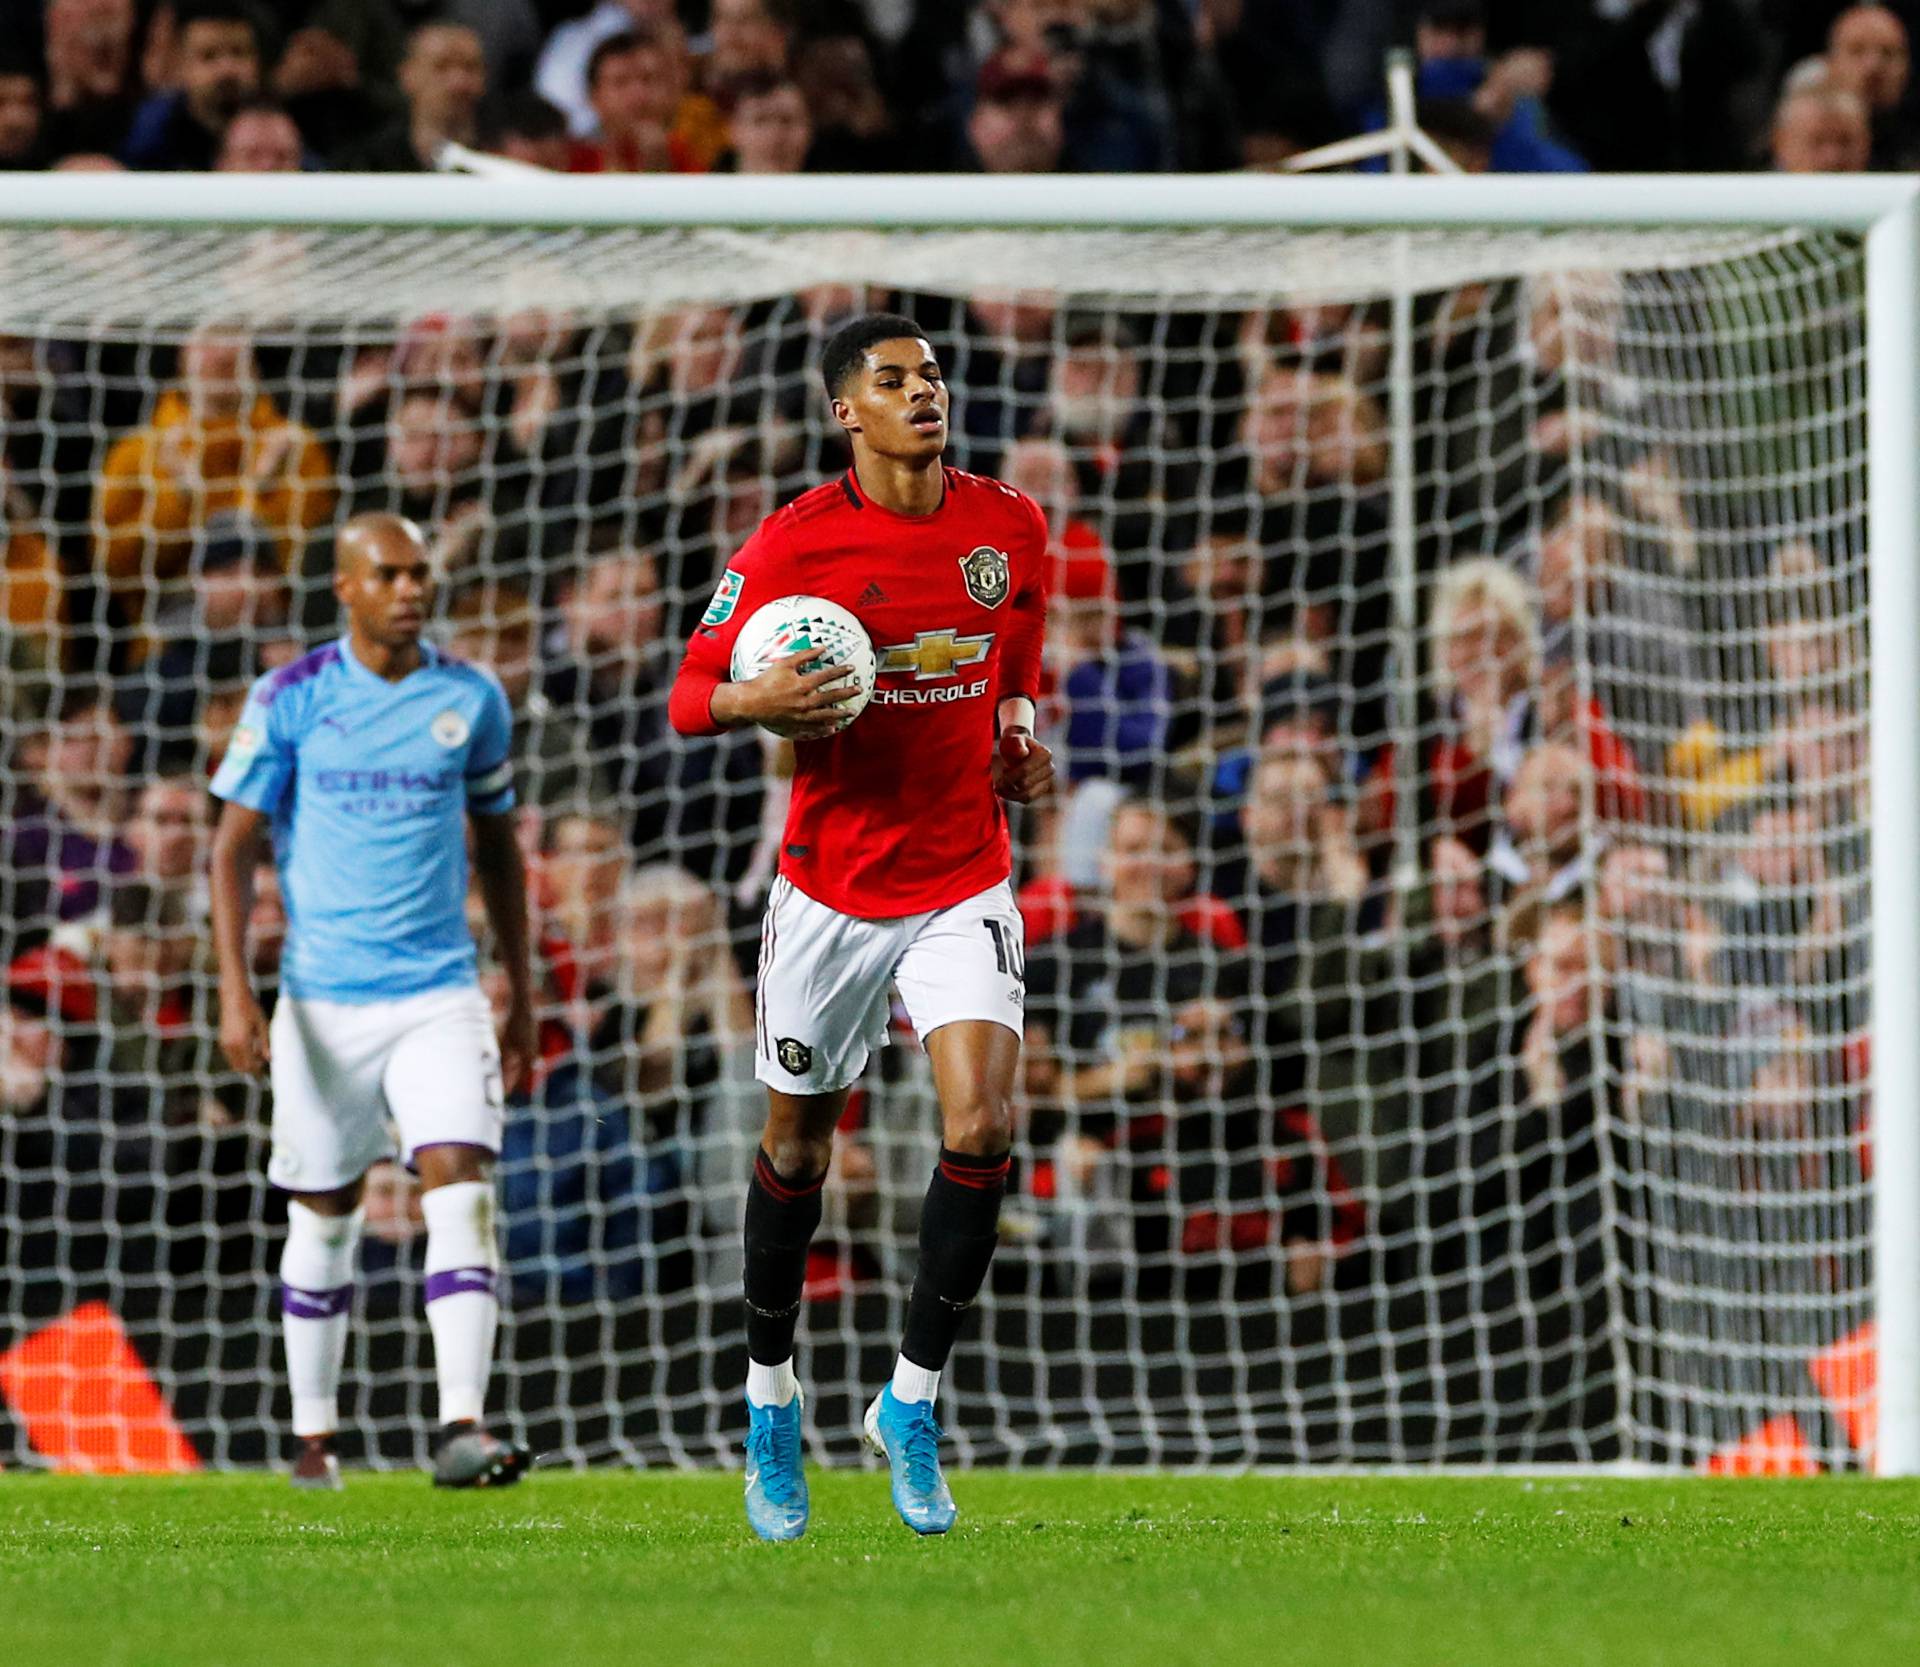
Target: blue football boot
x: 776, y: 1473
x: 907, y: 1436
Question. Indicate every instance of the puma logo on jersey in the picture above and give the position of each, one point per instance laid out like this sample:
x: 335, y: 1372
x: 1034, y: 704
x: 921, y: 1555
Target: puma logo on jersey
x: 935, y: 654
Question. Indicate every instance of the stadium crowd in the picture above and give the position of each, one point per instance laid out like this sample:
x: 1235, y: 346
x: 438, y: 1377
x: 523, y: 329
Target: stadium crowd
x: 995, y: 86
x: 1332, y: 960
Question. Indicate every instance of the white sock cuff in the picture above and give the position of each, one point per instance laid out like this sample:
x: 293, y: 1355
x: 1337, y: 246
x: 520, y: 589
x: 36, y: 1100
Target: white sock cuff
x: 771, y: 1386
x: 460, y: 1230
x: 914, y: 1383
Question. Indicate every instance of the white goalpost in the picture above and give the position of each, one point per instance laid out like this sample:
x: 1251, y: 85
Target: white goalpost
x: 1375, y: 1201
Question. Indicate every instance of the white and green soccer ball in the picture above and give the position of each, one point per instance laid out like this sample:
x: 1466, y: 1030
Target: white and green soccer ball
x: 791, y: 623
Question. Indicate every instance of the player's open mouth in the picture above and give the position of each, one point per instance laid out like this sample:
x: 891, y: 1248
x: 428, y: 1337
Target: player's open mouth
x: 927, y: 421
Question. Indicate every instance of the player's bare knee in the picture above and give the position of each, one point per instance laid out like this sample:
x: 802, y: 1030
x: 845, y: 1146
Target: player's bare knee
x: 450, y: 1165
x: 797, y: 1153
x: 340, y: 1202
x: 981, y: 1125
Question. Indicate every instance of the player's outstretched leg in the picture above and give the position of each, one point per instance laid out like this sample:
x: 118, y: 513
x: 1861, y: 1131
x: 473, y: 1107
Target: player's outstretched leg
x: 973, y: 1066
x: 316, y: 1292
x: 463, y: 1313
x: 783, y: 1210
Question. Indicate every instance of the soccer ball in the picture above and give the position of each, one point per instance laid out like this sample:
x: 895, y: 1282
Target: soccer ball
x: 792, y: 623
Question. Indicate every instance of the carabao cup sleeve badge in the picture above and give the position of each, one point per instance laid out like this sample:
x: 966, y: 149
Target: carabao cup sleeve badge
x: 985, y: 571
x: 725, y: 595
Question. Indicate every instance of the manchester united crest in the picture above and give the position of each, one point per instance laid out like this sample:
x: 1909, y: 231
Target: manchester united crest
x: 985, y: 571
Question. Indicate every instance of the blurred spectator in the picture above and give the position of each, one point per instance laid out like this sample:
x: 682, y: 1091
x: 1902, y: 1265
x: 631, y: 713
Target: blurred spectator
x: 772, y: 132
x: 209, y: 633
x: 852, y: 126
x: 335, y: 75
x: 1615, y: 599
x: 214, y: 442
x: 1299, y: 885
x: 583, y: 861
x: 261, y: 138
x: 525, y: 128
x: 1315, y: 450
x: 635, y: 84
x: 1486, y: 666
x: 1542, y: 849
x: 169, y: 830
x: 22, y: 115
x: 1775, y: 912
x: 608, y: 666
x: 92, y: 84
x: 1102, y: 1000
x: 433, y: 452
x: 1867, y: 56
x: 1126, y: 447
x: 1133, y: 952
x: 444, y: 78
x: 60, y: 844
x: 1006, y: 360
x: 33, y: 604
x: 746, y: 39
x: 561, y: 76
x: 1043, y: 469
x: 1652, y: 87
x: 1506, y: 94
x: 1821, y: 130
x: 554, y: 767
x: 1121, y: 702
x: 1814, y: 654
x: 1016, y: 126
x: 217, y: 65
x: 1467, y: 135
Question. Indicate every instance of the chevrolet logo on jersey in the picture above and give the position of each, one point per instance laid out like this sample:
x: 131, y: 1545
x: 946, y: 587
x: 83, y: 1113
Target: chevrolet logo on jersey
x: 935, y: 654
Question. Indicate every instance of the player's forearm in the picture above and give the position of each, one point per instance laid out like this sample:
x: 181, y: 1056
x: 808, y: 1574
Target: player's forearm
x: 230, y: 893
x: 502, y: 874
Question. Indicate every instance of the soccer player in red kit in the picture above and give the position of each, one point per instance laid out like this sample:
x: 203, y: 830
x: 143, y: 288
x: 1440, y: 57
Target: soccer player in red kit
x: 893, y: 872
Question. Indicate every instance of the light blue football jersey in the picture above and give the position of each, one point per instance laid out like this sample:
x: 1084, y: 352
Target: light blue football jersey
x: 368, y: 784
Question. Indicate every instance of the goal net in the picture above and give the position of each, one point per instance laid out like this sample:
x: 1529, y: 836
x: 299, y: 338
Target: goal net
x: 1447, y: 1034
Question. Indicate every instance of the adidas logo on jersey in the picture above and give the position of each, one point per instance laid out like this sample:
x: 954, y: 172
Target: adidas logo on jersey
x: 871, y: 595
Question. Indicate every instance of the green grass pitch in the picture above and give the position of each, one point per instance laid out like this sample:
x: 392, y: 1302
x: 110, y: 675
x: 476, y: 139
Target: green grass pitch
x: 237, y: 1571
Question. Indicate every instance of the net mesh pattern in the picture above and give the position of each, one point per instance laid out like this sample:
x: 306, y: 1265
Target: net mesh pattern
x: 1446, y: 964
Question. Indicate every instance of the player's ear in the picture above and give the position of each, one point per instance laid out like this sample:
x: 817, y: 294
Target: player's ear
x: 843, y: 415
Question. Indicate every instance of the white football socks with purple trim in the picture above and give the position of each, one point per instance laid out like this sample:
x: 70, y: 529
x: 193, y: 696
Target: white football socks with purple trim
x: 316, y: 1292
x: 463, y: 1304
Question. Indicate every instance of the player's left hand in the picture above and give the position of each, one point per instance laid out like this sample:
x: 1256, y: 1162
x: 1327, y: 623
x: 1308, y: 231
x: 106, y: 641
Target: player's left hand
x: 517, y: 1046
x: 1022, y: 768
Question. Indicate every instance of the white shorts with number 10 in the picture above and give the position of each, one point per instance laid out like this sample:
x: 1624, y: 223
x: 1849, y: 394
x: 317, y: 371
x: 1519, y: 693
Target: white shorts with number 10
x: 824, y: 980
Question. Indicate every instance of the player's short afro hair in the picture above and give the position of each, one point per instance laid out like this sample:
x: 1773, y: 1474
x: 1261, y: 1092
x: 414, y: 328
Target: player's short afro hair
x: 847, y: 348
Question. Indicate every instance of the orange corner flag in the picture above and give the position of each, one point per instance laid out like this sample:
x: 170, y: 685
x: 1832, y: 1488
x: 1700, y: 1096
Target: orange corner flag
x: 1777, y: 1448
x: 85, y: 1399
x: 1845, y: 1372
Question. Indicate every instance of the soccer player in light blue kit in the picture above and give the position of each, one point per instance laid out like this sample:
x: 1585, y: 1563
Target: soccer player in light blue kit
x: 370, y: 758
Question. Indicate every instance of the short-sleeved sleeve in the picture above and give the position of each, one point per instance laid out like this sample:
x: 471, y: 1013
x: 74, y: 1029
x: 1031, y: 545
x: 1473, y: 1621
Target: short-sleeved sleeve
x: 490, y: 755
x: 259, y: 761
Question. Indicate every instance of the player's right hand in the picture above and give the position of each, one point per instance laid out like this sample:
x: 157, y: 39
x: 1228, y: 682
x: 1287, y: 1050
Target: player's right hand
x: 796, y: 704
x: 243, y: 1032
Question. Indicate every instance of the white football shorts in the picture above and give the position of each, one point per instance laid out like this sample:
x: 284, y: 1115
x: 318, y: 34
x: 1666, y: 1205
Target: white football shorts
x: 824, y: 981
x: 347, y: 1074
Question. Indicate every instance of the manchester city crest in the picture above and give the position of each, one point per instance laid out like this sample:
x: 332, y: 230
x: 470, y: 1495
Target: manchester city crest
x: 985, y: 571
x: 450, y: 729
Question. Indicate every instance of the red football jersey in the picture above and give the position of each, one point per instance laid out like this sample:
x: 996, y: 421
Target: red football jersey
x: 896, y: 814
